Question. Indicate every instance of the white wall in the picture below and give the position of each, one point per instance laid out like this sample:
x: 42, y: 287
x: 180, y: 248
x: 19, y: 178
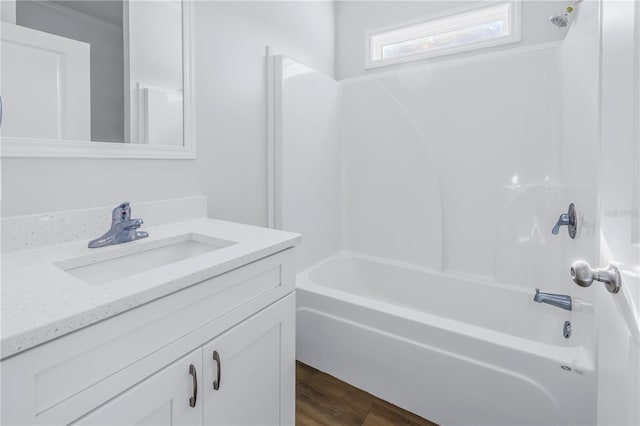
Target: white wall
x: 154, y: 60
x: 231, y: 85
x: 8, y: 11
x: 355, y: 18
x: 618, y: 316
x: 620, y: 143
x: 231, y: 122
x: 155, y: 43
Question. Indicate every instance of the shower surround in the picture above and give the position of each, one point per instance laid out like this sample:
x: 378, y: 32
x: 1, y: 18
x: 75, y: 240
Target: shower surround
x: 430, y: 193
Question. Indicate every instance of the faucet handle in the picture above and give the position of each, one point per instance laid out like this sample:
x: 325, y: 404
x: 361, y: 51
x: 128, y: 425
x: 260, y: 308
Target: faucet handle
x: 570, y: 219
x: 133, y: 224
x: 121, y: 213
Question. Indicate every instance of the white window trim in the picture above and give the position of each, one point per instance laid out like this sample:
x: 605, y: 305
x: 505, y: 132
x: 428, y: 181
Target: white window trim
x: 514, y: 36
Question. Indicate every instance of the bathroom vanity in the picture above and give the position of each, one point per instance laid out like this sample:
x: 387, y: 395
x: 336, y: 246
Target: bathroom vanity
x: 200, y: 333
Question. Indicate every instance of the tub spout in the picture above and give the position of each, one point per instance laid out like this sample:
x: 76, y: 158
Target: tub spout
x: 562, y: 301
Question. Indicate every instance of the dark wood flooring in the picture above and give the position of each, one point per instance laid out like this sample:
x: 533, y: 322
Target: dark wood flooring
x: 324, y: 400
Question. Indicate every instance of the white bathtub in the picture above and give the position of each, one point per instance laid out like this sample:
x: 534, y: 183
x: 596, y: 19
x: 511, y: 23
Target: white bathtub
x: 451, y: 349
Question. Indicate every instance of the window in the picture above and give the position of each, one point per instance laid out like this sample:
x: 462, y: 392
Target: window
x: 472, y: 29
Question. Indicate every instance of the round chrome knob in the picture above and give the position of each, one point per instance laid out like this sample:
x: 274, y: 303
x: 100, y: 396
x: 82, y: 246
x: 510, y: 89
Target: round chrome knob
x: 582, y: 274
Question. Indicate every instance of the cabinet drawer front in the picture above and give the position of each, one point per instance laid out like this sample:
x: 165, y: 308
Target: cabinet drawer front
x: 57, y: 376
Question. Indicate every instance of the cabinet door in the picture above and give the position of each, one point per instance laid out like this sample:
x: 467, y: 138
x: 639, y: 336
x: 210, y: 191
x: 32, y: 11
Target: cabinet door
x: 162, y: 399
x: 253, y: 370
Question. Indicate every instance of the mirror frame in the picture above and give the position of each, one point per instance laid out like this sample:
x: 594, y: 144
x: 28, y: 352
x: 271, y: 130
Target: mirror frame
x: 12, y: 147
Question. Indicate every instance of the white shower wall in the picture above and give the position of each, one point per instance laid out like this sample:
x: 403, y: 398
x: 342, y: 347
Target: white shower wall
x: 579, y: 145
x: 454, y: 165
x: 392, y: 197
x: 307, y: 196
x: 461, y: 165
x: 433, y: 168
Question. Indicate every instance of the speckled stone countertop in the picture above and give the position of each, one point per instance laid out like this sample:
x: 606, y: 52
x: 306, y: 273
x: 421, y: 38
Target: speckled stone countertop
x: 40, y: 301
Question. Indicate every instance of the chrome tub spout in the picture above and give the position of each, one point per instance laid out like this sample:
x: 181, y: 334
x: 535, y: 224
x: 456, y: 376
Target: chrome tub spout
x: 561, y: 301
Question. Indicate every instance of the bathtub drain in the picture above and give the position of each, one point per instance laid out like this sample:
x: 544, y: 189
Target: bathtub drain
x: 565, y: 367
x: 566, y: 330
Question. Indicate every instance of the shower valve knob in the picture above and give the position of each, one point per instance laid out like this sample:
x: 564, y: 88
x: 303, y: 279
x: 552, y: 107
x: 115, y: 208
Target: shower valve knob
x: 570, y: 219
x: 584, y: 275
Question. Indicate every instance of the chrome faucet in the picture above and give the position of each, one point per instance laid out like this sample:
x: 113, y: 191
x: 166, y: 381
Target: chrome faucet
x: 562, y: 301
x: 123, y: 228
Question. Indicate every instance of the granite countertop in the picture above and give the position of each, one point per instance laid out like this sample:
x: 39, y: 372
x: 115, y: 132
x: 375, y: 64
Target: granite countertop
x: 40, y: 301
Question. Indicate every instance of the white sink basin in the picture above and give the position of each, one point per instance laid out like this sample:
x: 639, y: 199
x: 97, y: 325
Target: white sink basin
x: 95, y: 271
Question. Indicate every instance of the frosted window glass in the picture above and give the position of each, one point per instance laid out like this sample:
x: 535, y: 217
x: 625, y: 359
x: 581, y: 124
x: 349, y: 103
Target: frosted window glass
x: 466, y: 30
x: 449, y: 39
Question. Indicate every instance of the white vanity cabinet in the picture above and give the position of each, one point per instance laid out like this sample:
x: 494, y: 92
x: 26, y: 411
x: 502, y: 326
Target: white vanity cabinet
x: 162, y: 399
x: 134, y: 368
x: 258, y: 380
x: 250, y: 381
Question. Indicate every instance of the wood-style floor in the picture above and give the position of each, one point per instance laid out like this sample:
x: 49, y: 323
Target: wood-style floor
x: 324, y: 400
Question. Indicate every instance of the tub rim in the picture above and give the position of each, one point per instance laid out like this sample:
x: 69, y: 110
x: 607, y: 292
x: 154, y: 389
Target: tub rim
x: 582, y: 359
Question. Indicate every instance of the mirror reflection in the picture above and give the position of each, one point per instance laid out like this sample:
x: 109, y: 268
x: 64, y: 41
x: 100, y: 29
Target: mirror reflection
x: 94, y: 70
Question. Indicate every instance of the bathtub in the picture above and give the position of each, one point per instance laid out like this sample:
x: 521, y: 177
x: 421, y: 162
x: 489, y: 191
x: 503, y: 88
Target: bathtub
x: 453, y: 349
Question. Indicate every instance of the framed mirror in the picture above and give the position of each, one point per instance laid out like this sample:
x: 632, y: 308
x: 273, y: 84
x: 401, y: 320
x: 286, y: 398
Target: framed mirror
x: 98, y: 79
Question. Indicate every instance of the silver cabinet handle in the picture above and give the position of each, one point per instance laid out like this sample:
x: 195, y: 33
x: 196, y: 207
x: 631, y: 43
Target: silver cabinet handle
x: 216, y: 358
x: 194, y: 375
x: 584, y: 275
